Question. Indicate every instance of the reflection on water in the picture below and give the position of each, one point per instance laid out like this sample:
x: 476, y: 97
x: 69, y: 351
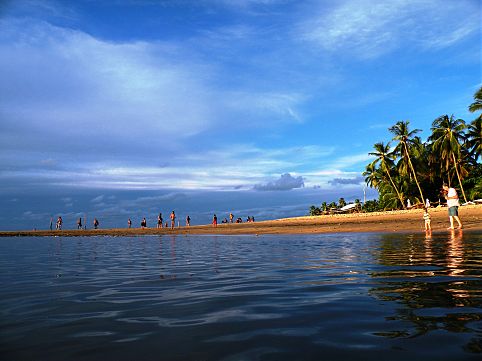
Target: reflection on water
x: 436, y: 281
x: 310, y: 297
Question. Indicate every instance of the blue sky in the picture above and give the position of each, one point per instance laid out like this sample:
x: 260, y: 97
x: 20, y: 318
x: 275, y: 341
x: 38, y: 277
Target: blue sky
x: 126, y: 108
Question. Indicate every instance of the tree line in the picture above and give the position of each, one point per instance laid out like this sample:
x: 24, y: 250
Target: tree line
x: 409, y: 169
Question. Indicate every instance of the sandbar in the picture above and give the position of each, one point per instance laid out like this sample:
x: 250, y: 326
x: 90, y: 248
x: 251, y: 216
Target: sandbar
x: 384, y: 222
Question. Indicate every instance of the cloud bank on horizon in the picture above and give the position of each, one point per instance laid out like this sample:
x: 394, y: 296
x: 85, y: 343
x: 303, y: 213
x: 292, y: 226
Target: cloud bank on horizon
x: 222, y: 95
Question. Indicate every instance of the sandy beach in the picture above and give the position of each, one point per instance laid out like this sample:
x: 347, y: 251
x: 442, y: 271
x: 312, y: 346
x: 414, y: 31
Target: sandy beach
x: 390, y: 221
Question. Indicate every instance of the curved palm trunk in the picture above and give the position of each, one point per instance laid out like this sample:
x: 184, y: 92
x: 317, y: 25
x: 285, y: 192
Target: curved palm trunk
x: 396, y: 190
x: 458, y: 176
x: 413, y: 171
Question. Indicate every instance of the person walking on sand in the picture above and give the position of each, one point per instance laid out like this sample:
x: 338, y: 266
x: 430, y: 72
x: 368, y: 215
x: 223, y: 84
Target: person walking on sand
x: 79, y: 223
x: 215, y: 221
x: 188, y: 221
x: 173, y: 219
x: 426, y: 218
x: 129, y: 223
x: 453, y: 205
x: 231, y: 217
x: 96, y: 223
x: 144, y: 223
x: 159, y: 220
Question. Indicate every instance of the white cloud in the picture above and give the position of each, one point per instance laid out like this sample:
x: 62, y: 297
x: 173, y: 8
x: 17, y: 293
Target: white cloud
x: 236, y: 167
x: 98, y: 199
x: 347, y: 181
x: 120, y: 98
x: 71, y: 83
x: 371, y: 28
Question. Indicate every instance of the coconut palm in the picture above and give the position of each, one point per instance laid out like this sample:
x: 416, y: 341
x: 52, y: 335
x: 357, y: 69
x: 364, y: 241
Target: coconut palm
x: 324, y: 206
x: 388, y: 198
x: 385, y: 158
x: 474, y: 138
x: 477, y: 104
x: 404, y: 137
x: 372, y: 176
x: 314, y: 211
x: 447, y: 139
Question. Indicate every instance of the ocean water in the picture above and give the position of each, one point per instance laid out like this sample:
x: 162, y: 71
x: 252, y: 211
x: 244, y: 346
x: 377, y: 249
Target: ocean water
x: 288, y: 297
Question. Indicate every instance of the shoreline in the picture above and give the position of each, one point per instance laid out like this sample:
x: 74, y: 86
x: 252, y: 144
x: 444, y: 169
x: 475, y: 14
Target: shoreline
x: 386, y: 222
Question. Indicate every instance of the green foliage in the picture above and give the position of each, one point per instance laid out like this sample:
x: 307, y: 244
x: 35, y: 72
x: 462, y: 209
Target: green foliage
x: 474, y: 183
x: 324, y: 206
x: 372, y: 206
x: 315, y: 211
x: 414, y: 170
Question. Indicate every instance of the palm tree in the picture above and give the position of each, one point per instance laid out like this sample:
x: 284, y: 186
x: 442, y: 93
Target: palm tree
x: 475, y: 128
x: 477, y: 104
x: 385, y: 158
x: 447, y: 137
x: 372, y: 176
x: 404, y: 137
x: 314, y: 211
x: 474, y: 137
x: 324, y: 206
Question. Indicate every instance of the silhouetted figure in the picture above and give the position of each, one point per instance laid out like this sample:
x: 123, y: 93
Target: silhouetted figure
x: 159, y: 220
x: 96, y: 223
x: 79, y: 223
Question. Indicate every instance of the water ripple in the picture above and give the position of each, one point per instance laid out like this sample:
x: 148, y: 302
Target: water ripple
x: 387, y: 296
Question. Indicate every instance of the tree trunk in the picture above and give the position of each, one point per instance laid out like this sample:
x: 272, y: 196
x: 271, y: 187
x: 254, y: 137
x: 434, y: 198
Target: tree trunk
x: 458, y: 176
x: 396, y: 190
x: 413, y: 171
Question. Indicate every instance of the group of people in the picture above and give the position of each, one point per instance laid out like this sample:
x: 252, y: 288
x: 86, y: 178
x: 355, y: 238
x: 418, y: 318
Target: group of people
x: 238, y: 220
x: 160, y: 221
x: 161, y: 224
x: 59, y: 223
x: 450, y: 194
x: 231, y: 219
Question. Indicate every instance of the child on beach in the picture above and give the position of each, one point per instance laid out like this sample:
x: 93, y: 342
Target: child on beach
x: 426, y: 218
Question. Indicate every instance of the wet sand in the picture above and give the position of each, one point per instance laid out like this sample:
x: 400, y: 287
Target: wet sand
x: 393, y: 221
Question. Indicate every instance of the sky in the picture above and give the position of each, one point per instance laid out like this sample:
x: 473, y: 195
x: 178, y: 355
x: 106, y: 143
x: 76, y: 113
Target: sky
x: 115, y: 109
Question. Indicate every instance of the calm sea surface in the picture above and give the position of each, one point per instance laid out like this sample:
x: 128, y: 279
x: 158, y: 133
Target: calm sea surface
x: 289, y: 297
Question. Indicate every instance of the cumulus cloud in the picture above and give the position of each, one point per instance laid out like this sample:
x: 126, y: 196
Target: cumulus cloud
x: 284, y: 183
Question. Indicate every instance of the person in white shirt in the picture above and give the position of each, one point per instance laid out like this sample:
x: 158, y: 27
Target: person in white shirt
x: 453, y: 205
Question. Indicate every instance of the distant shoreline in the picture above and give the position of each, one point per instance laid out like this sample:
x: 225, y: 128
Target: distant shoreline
x: 389, y: 221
